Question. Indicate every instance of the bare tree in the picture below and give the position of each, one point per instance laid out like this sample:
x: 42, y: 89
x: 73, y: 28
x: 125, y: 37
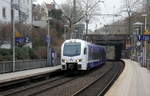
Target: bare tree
x: 69, y: 12
x: 83, y: 8
x: 89, y: 7
x: 82, y: 11
x: 131, y: 6
x: 5, y: 32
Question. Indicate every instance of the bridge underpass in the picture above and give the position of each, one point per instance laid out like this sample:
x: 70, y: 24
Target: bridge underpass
x: 116, y: 44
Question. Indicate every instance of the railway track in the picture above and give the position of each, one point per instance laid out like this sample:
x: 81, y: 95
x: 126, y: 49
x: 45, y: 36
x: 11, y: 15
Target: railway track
x: 73, y: 86
x: 94, y: 89
x: 63, y: 82
x: 38, y: 87
x: 77, y: 85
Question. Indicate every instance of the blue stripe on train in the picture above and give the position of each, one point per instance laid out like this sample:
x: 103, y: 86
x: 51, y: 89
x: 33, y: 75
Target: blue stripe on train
x: 94, y: 64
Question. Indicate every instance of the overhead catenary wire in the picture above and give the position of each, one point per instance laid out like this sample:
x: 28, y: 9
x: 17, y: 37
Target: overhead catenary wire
x: 89, y: 10
x: 83, y: 16
x: 69, y: 18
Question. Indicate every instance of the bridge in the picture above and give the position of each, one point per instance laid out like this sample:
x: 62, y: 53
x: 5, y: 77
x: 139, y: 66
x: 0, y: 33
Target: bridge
x: 119, y: 41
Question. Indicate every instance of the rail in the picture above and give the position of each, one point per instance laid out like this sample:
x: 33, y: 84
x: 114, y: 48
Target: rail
x: 112, y: 73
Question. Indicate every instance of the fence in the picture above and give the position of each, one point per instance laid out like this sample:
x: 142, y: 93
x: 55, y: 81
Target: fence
x: 148, y: 64
x: 7, y: 66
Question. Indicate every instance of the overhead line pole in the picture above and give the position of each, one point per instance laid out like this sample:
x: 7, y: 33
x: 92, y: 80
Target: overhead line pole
x: 49, y: 45
x: 19, y: 11
x: 86, y: 22
x: 74, y: 10
x: 74, y: 18
x: 13, y: 30
x: 145, y: 42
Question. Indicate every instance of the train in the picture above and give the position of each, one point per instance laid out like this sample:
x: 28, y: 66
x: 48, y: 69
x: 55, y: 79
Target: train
x: 77, y: 54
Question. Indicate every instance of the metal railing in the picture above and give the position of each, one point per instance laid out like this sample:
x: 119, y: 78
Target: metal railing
x: 7, y: 66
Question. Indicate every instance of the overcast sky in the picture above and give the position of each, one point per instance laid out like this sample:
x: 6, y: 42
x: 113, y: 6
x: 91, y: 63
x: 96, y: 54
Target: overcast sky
x: 108, y: 7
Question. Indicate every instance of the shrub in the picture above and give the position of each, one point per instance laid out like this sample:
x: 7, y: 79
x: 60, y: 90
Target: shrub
x: 21, y: 54
x: 41, y: 52
x: 5, y: 54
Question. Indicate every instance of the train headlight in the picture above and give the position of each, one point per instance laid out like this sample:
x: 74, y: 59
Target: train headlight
x: 78, y: 60
x: 64, y: 60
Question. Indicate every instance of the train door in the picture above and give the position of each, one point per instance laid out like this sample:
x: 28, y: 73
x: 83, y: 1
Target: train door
x: 85, y: 56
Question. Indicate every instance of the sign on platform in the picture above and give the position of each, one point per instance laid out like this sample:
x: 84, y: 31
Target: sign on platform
x: 144, y: 37
x: 146, y: 32
x: 18, y: 35
x: 20, y: 40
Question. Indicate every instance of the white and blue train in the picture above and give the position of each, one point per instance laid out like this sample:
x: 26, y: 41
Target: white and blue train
x: 78, y: 54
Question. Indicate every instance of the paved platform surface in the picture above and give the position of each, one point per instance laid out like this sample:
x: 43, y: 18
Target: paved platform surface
x: 27, y: 73
x: 134, y: 81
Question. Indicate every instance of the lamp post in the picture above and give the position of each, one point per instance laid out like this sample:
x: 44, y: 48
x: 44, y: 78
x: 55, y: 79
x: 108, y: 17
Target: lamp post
x: 139, y: 29
x: 49, y: 53
x: 48, y: 40
x: 13, y: 30
x: 145, y: 43
x: 87, y: 24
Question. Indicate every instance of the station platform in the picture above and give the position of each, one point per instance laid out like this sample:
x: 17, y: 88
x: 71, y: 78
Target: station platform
x: 8, y: 77
x: 134, y: 81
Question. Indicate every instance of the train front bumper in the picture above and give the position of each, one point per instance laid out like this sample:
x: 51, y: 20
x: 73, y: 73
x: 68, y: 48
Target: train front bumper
x: 71, y: 66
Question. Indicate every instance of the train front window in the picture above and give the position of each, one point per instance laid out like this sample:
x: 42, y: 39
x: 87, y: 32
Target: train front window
x: 72, y: 49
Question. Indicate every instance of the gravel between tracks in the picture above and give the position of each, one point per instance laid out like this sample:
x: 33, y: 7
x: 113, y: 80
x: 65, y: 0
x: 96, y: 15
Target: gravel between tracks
x: 103, y: 83
x: 71, y: 87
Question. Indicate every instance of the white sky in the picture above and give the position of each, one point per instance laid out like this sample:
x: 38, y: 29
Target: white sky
x: 108, y: 7
x: 48, y: 1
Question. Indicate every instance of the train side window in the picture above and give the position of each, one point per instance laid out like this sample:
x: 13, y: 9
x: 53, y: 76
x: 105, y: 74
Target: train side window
x: 85, y: 51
